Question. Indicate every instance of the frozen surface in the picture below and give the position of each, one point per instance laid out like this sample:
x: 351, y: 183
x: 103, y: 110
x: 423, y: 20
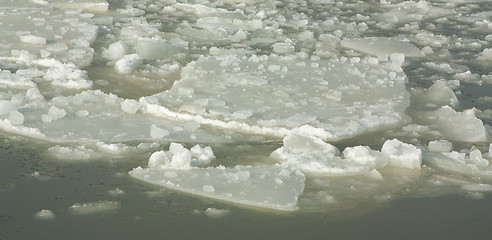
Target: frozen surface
x: 306, y: 104
x: 274, y: 95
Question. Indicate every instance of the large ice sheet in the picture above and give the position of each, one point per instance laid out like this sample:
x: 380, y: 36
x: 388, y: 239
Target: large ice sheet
x: 274, y: 95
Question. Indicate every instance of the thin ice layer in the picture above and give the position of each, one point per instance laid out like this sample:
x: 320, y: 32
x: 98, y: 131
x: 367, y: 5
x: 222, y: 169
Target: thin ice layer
x: 275, y: 95
x: 269, y: 187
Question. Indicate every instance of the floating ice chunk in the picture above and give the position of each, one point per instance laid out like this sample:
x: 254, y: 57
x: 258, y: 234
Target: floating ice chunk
x: 458, y: 162
x: 208, y: 188
x: 157, y: 132
x: 180, y: 158
x: 485, y: 55
x: 88, y: 5
x: 16, y: 118
x: 153, y: 49
x: 32, y: 39
x: 130, y: 106
x: 382, y: 47
x: 45, y: 215
x: 298, y: 120
x: 72, y: 153
x: 440, y: 95
x: 476, y: 158
x: 67, y: 75
x: 117, y: 50
x: 94, y: 207
x: 446, y: 67
x: 6, y: 107
x: 116, y: 192
x: 217, y: 213
x: 312, y: 155
x: 440, y: 146
x: 409, y: 11
x: 283, y: 48
x: 402, y: 155
x: 128, y: 63
x: 459, y: 126
x: 258, y: 190
x: 374, y: 174
x: 53, y: 114
x: 478, y: 187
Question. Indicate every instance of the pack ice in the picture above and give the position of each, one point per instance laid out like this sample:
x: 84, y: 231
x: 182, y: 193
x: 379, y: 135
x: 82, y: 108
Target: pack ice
x: 318, y: 89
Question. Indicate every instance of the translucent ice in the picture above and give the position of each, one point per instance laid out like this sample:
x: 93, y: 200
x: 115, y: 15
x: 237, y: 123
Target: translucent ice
x: 255, y: 186
x: 331, y: 100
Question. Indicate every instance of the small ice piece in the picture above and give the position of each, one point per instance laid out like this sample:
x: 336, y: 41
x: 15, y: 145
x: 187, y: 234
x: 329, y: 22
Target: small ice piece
x: 116, y: 192
x: 476, y: 158
x: 440, y: 94
x: 382, y: 47
x: 45, y: 215
x: 128, y: 63
x: 157, y: 132
x: 402, y: 155
x: 490, y: 150
x: 485, y: 55
x: 16, y: 118
x: 374, y: 174
x: 481, y: 187
x: 53, y: 114
x: 217, y: 213
x: 117, y: 50
x: 153, y: 49
x: 208, y: 188
x: 6, y: 107
x: 87, y: 5
x: 72, y: 153
x: 178, y: 157
x: 94, y: 207
x: 283, y: 48
x: 32, y: 39
x: 440, y: 146
x: 298, y: 120
x: 191, y: 126
x: 130, y: 106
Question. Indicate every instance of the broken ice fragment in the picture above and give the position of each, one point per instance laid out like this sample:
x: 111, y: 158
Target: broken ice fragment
x: 128, y: 63
x: 260, y: 190
x: 32, y: 39
x: 382, y: 47
x: 402, y: 155
x: 216, y: 213
x: 45, y: 215
x: 440, y: 146
x: 314, y: 156
x: 460, y: 126
x: 94, y: 207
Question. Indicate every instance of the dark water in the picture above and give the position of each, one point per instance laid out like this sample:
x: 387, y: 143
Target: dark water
x: 149, y: 214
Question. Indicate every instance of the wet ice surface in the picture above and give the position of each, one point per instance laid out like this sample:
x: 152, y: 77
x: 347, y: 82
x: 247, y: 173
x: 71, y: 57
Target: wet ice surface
x: 295, y: 106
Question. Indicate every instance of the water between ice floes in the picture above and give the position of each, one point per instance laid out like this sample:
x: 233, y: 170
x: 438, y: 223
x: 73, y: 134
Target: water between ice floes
x: 284, y: 106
